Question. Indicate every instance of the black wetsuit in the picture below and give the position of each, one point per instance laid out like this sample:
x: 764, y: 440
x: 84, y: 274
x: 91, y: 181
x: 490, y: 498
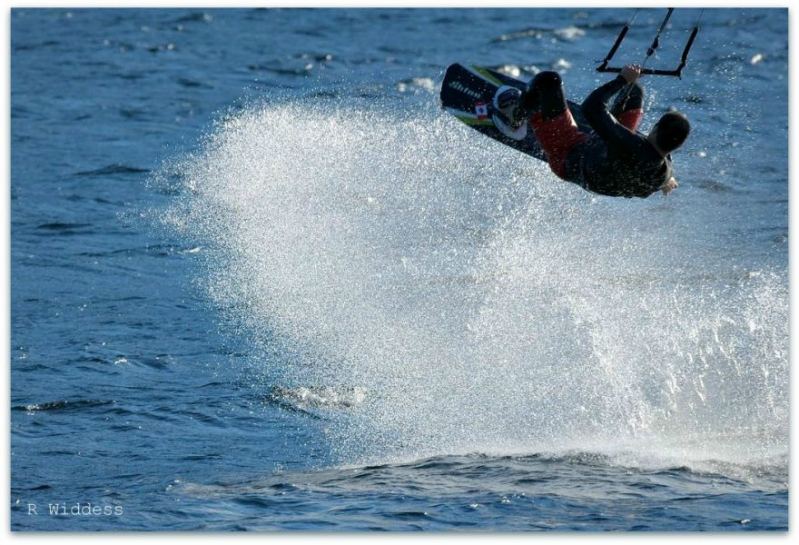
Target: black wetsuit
x: 613, y: 160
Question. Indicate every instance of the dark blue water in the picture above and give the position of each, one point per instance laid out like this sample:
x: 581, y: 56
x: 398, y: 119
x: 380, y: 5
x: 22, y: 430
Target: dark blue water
x: 261, y: 281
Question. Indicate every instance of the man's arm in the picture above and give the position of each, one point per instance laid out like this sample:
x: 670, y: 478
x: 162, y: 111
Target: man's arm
x: 595, y: 109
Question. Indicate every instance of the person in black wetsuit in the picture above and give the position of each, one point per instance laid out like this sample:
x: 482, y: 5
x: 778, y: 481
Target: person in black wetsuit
x: 612, y: 160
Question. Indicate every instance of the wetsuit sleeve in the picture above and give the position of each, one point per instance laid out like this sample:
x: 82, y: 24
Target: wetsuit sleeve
x: 595, y: 110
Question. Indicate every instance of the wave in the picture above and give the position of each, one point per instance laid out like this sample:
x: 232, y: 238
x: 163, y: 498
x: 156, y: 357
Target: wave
x: 113, y: 169
x: 570, y: 476
x: 63, y: 405
x: 303, y: 398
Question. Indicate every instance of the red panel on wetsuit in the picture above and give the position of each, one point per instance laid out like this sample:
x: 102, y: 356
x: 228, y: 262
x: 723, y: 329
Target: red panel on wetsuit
x: 557, y: 137
x: 631, y: 118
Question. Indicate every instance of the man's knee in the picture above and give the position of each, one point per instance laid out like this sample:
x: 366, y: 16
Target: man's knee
x: 636, y: 94
x: 546, y: 81
x: 637, y: 88
x: 629, y: 98
x: 548, y: 89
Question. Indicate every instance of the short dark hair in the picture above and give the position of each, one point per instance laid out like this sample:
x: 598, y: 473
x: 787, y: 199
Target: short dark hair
x: 672, y: 130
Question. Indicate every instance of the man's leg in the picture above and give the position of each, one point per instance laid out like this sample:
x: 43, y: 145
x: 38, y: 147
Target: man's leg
x: 551, y: 120
x: 628, y: 108
x: 545, y: 96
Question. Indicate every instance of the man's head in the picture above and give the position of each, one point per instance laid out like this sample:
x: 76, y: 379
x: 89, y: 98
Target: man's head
x: 670, y: 131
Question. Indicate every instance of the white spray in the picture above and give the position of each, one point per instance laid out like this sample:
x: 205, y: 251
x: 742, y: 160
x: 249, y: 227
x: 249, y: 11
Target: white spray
x: 478, y: 303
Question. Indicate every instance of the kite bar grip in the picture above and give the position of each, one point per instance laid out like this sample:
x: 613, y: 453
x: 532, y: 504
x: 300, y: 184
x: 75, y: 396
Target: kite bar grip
x: 644, y: 72
x: 613, y: 49
x: 684, y: 57
x: 650, y: 51
x: 657, y: 72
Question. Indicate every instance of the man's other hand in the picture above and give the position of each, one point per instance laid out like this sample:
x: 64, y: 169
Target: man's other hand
x: 631, y: 73
x: 669, y: 186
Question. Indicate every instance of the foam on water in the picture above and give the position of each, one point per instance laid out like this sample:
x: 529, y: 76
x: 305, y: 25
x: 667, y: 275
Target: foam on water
x: 478, y: 303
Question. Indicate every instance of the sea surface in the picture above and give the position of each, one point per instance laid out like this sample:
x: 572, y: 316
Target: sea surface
x: 261, y: 281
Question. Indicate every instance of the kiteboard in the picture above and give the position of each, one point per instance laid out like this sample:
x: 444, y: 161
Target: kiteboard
x: 467, y: 93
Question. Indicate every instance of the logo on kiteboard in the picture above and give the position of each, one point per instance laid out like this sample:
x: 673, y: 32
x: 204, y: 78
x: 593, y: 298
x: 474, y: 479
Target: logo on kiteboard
x: 481, y: 110
x: 458, y: 86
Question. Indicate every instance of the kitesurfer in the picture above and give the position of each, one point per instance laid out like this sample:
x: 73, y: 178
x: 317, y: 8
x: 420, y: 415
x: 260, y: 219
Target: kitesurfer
x: 614, y: 159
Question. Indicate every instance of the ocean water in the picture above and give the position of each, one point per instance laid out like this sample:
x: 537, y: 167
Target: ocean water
x: 260, y: 281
